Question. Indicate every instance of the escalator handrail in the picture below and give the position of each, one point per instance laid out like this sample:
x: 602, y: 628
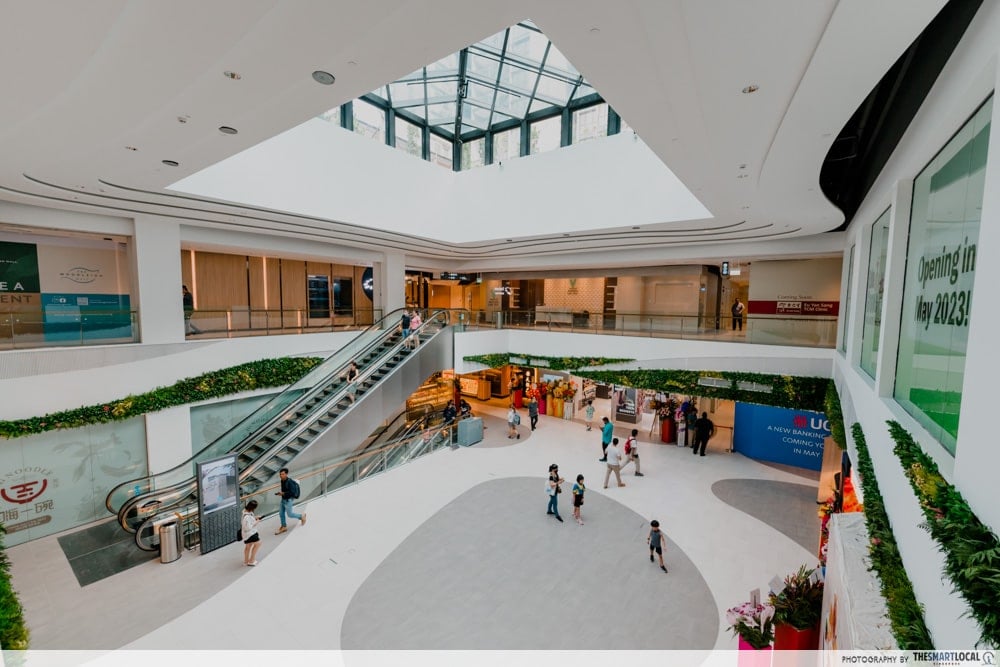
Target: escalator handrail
x: 387, y: 323
x: 183, y: 514
x: 168, y: 495
x: 305, y: 422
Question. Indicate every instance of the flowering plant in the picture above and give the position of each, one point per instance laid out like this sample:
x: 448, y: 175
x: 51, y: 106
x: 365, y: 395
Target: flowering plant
x: 754, y: 623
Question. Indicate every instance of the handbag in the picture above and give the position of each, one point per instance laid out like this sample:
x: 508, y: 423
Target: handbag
x: 239, y: 534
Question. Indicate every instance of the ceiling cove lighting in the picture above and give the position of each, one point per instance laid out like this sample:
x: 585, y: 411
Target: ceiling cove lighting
x: 325, y: 78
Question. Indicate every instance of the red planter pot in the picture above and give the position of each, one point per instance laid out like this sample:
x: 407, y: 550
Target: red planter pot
x: 787, y: 638
x: 753, y: 657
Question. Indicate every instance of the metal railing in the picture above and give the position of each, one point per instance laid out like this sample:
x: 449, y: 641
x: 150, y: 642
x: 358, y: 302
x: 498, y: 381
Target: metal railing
x: 323, y: 479
x: 756, y: 329
x: 237, y: 322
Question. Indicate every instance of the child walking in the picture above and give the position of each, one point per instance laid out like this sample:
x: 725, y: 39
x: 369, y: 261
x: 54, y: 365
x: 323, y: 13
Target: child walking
x: 656, y: 543
x: 578, y: 490
x: 590, y: 413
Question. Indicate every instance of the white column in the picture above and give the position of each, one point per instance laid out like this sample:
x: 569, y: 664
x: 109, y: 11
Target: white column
x: 157, y: 252
x: 855, y: 325
x: 892, y: 293
x: 168, y: 438
x: 390, y: 282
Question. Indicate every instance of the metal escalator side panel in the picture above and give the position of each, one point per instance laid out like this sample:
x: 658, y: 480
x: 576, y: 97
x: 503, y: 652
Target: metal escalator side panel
x: 259, y: 421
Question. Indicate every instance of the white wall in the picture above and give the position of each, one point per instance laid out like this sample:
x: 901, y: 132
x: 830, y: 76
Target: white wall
x: 647, y: 352
x: 561, y: 191
x: 122, y: 374
x: 968, y: 78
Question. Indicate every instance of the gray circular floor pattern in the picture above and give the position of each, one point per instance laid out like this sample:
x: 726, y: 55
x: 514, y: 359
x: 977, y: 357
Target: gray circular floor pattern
x: 786, y: 507
x: 491, y: 570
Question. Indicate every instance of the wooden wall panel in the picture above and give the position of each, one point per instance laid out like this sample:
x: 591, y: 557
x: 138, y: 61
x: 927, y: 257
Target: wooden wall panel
x: 273, y: 283
x: 257, y: 290
x: 220, y: 281
x: 293, y: 292
x: 186, y: 268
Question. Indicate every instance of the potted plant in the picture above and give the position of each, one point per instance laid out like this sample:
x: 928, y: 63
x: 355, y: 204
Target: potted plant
x: 753, y: 624
x: 797, y: 609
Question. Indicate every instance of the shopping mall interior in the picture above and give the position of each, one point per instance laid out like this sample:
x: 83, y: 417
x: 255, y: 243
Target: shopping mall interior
x: 418, y: 254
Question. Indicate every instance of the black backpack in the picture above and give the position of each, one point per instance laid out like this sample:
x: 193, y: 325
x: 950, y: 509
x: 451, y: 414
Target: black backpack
x: 405, y: 321
x: 293, y: 488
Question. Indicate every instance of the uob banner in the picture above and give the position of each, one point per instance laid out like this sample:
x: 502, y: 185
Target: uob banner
x: 780, y: 435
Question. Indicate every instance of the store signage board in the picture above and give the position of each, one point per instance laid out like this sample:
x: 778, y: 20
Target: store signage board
x: 517, y: 360
x: 780, y: 435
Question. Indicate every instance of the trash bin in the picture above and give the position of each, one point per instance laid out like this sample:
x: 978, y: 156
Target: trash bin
x: 170, y: 541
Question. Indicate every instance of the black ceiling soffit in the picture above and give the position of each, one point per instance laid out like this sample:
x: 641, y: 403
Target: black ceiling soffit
x: 870, y: 136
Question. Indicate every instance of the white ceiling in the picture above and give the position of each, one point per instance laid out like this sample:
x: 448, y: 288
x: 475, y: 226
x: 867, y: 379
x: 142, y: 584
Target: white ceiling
x: 82, y: 81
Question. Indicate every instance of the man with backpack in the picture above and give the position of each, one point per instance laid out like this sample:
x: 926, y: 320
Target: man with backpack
x: 289, y: 493
x: 632, y: 453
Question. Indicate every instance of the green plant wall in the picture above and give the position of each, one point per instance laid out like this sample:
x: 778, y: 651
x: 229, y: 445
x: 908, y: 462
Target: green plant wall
x: 224, y: 382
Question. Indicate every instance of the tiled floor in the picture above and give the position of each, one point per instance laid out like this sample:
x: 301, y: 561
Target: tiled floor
x: 324, y: 570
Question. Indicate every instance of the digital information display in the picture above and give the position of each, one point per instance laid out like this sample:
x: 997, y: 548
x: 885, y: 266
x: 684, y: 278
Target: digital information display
x: 218, y: 502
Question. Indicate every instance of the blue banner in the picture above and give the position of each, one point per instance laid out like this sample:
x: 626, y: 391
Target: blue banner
x: 780, y: 435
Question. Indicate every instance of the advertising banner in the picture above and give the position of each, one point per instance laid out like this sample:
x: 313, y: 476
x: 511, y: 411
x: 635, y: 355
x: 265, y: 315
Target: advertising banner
x: 780, y: 435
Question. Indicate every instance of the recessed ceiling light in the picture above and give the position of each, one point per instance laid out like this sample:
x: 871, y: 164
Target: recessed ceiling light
x: 510, y: 240
x: 352, y: 63
x: 235, y: 76
x: 171, y: 163
x: 183, y: 119
x: 635, y: 228
x: 743, y: 166
x: 325, y: 78
x: 225, y: 129
x: 565, y: 234
x: 595, y: 30
x: 131, y: 148
x: 752, y: 88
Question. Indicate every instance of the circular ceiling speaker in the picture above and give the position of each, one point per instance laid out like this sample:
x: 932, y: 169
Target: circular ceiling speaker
x: 325, y: 78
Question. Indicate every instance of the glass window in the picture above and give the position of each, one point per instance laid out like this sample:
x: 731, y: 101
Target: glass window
x: 545, y: 135
x: 590, y: 123
x: 343, y: 296
x: 940, y: 275
x: 440, y: 151
x: 847, y: 304
x: 507, y: 145
x: 873, y: 294
x: 409, y: 137
x: 369, y: 120
x: 473, y: 154
x: 332, y: 116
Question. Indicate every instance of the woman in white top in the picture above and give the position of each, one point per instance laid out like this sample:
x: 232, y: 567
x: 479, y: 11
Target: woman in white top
x: 251, y: 539
x: 513, y: 419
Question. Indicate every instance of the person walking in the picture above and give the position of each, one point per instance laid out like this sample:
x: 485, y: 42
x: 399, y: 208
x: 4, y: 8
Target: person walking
x: 289, y: 494
x: 415, y: 323
x: 533, y: 412
x: 352, y: 381
x: 513, y: 420
x: 738, y: 310
x: 614, y: 463
x: 405, y: 323
x: 251, y: 537
x: 607, y: 431
x: 187, y: 300
x: 590, y: 413
x: 578, y: 491
x: 553, y: 489
x: 656, y: 543
x: 632, y: 452
x: 704, y: 429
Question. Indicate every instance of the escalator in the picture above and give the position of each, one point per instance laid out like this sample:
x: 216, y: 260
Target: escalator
x: 278, y: 432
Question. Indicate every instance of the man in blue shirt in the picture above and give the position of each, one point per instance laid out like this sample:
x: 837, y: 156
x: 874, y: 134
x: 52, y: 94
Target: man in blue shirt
x: 606, y: 433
